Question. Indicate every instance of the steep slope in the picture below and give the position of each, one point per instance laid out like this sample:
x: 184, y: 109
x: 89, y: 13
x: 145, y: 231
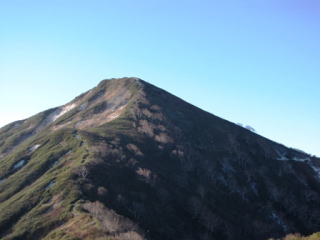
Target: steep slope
x: 127, y: 160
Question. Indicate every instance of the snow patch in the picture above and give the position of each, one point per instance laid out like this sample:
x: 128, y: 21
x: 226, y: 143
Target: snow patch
x: 54, y: 163
x: 63, y: 111
x: 282, y: 156
x: 34, y: 148
x: 59, y: 112
x: 51, y: 183
x: 20, y: 164
x: 301, y: 159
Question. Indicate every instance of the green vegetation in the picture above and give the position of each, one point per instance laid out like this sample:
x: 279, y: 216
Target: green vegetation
x: 27, y: 194
x: 45, y: 191
x: 315, y: 236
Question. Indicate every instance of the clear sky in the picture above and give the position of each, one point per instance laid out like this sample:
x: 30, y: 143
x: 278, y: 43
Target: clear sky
x: 255, y: 62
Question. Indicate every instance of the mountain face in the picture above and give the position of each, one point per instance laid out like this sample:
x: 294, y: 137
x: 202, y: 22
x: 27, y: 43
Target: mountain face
x: 127, y: 160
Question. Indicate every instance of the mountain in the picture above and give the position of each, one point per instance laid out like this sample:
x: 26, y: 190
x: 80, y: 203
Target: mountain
x: 315, y: 236
x: 127, y: 160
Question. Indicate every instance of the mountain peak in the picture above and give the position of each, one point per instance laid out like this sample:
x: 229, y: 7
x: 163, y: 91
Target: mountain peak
x: 107, y: 101
x: 126, y: 157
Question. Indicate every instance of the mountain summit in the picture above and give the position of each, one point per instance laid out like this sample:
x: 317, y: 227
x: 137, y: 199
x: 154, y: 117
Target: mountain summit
x: 129, y: 161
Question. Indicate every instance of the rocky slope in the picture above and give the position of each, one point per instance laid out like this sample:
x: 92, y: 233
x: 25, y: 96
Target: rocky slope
x: 127, y: 160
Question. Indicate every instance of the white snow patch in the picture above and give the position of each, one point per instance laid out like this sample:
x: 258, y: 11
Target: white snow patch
x: 301, y: 159
x: 282, y: 156
x: 63, y: 111
x: 19, y: 164
x: 59, y: 112
x: 51, y: 183
x: 33, y: 148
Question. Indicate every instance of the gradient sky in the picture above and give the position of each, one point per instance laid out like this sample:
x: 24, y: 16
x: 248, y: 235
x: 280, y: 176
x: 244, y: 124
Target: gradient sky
x: 255, y: 62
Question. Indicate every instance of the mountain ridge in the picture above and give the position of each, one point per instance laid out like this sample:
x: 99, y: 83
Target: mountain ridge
x: 139, y: 82
x: 127, y: 157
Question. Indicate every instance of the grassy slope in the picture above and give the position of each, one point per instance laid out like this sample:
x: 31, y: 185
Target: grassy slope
x: 315, y: 236
x: 44, y: 193
x: 26, y: 194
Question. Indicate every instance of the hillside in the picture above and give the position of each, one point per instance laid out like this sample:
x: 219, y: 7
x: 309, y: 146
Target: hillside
x: 127, y: 160
x: 315, y: 236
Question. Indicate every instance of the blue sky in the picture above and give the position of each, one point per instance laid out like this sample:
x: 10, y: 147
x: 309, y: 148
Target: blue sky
x: 255, y: 62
